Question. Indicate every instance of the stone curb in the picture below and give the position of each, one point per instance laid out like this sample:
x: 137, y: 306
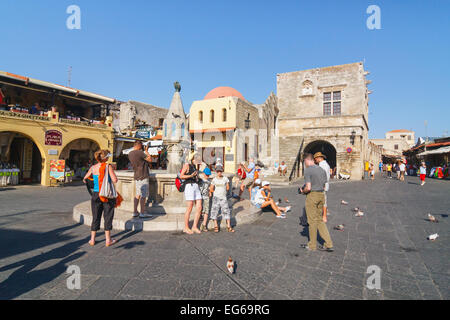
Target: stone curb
x: 243, y: 212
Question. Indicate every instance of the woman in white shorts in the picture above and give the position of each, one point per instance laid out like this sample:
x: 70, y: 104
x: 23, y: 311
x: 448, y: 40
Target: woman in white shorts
x: 192, y: 193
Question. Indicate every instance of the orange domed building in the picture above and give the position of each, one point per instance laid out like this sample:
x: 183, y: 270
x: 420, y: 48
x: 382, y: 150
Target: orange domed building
x: 225, y: 127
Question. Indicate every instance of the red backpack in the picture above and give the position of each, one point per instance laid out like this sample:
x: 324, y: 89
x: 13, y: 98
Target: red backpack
x: 180, y: 183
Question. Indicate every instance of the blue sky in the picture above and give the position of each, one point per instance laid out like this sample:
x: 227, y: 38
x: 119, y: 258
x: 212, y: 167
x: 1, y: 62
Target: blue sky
x: 137, y: 49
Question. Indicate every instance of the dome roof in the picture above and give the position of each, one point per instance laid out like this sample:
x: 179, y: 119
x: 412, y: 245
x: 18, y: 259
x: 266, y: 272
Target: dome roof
x: 221, y: 92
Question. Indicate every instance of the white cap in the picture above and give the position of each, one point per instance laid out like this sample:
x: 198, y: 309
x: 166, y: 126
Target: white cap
x: 258, y: 181
x: 265, y: 183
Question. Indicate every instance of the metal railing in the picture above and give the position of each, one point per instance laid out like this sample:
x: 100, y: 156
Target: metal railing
x: 298, y: 161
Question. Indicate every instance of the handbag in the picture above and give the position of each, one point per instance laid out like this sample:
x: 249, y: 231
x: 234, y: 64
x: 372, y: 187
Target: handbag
x: 107, y: 190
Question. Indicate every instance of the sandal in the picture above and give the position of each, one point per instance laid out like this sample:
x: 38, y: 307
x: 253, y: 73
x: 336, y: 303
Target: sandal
x: 216, y: 229
x: 203, y: 228
x: 230, y: 229
x: 92, y: 243
x: 113, y: 241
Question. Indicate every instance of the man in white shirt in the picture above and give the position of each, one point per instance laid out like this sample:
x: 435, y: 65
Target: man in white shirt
x: 402, y: 171
x: 319, y: 159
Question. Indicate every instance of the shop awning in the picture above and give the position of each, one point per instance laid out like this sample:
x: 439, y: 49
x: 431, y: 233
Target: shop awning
x: 436, y: 151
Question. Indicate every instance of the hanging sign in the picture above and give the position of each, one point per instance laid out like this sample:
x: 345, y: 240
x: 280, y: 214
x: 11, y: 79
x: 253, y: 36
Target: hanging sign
x: 349, y: 150
x: 53, y: 138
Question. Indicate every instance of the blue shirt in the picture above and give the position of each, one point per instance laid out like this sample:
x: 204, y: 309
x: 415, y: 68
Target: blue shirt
x: 96, y: 185
x: 254, y: 191
x: 251, y: 174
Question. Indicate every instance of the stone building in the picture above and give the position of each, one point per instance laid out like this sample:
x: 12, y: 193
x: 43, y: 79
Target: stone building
x: 396, y: 141
x: 324, y: 109
x: 225, y: 125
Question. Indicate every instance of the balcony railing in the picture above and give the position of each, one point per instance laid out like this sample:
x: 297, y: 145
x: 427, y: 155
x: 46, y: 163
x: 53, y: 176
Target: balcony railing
x: 35, y: 117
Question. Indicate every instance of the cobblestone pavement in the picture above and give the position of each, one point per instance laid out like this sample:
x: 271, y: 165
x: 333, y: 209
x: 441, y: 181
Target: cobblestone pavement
x: 39, y: 240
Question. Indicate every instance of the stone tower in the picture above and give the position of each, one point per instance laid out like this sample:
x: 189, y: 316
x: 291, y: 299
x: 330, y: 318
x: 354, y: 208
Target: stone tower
x: 175, y: 133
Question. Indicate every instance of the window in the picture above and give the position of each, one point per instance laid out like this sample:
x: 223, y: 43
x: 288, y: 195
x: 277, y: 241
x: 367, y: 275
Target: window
x: 211, y: 119
x: 165, y: 129
x: 200, y: 116
x: 332, y: 98
x: 409, y: 137
x: 392, y: 137
x: 182, y: 129
x: 327, y: 108
x: 174, y: 130
x: 396, y: 146
x: 161, y: 121
x: 224, y: 115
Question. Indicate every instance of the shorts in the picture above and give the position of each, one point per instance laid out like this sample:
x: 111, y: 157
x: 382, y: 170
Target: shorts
x: 142, y: 188
x: 422, y: 177
x: 192, y: 192
x: 248, y: 182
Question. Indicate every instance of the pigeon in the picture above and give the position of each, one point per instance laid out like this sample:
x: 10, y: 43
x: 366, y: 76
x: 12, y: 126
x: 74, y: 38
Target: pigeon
x: 344, y: 202
x: 286, y: 200
x: 230, y: 265
x: 356, y: 209
x: 359, y: 214
x: 432, y: 218
x: 340, y: 227
x: 433, y: 237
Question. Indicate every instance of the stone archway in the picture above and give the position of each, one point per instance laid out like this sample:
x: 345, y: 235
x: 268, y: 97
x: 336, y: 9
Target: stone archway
x: 326, y: 148
x: 79, y: 152
x: 25, y: 153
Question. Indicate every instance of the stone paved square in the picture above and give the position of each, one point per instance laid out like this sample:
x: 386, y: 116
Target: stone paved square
x: 40, y: 241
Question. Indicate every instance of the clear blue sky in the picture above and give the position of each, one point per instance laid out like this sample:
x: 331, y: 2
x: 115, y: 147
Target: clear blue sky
x: 137, y: 49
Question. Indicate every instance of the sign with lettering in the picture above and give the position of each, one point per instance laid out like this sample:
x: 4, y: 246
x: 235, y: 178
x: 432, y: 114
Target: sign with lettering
x: 53, y: 138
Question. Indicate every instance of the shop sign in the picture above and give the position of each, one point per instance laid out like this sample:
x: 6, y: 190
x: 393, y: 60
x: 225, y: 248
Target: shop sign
x: 145, y: 133
x: 53, y: 138
x: 57, y: 169
x: 53, y: 152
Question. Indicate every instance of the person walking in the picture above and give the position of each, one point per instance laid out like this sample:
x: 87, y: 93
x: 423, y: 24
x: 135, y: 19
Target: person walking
x: 372, y: 171
x: 192, y: 193
x: 423, y: 173
x: 402, y: 168
x: 140, y: 162
x: 99, y: 205
x: 315, y: 179
x: 366, y: 170
x: 319, y: 159
x: 218, y: 190
x: 389, y: 170
x: 380, y: 166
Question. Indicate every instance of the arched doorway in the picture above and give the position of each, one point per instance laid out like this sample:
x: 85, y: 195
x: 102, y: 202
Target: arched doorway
x: 326, y: 148
x: 20, y: 151
x: 79, y: 155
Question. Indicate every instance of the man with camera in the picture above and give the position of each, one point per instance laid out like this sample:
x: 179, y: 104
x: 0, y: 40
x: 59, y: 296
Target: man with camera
x: 140, y: 161
x: 315, y: 179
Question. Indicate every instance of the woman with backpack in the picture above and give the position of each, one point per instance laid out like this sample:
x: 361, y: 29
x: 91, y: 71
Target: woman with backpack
x: 192, y: 194
x: 100, y: 205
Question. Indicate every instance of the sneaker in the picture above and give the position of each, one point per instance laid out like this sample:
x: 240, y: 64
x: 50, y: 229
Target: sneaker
x: 326, y: 249
x: 281, y: 217
x: 305, y: 246
x: 288, y: 209
x: 145, y: 215
x: 136, y: 214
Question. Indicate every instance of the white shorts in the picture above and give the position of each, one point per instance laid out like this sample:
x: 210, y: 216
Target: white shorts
x: 192, y: 192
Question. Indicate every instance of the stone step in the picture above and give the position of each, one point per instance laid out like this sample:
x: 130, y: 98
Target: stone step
x: 242, y: 212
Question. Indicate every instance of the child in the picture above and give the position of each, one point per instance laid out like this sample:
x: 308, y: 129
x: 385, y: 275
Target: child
x: 423, y: 173
x: 206, y: 200
x: 256, y: 188
x: 389, y: 170
x: 220, y: 187
x: 372, y: 171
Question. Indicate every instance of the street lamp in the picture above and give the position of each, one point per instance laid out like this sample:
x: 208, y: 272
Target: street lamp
x: 352, y: 137
x: 247, y: 122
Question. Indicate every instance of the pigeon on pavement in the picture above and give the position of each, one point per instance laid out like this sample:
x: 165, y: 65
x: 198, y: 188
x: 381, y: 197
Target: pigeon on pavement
x: 433, y: 237
x: 432, y: 218
x: 340, y: 227
x: 344, y: 202
x: 230, y: 265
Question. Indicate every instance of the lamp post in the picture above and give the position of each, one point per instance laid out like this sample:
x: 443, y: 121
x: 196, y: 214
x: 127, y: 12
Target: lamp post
x: 247, y: 122
x: 352, y: 137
